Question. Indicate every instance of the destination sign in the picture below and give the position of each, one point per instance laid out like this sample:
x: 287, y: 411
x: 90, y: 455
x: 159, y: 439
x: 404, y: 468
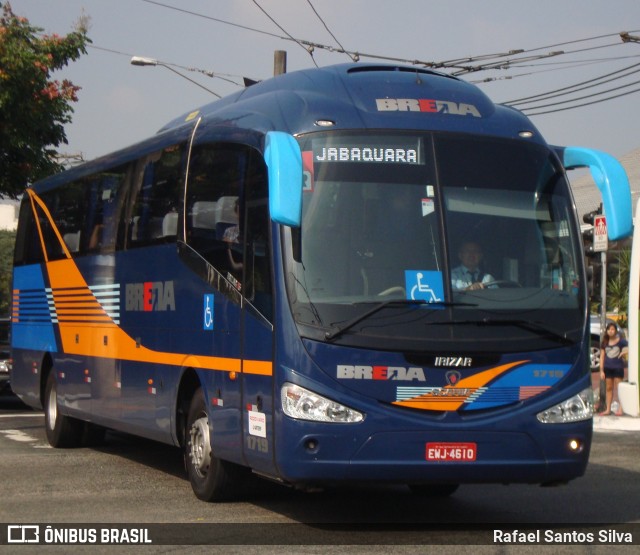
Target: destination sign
x: 368, y: 153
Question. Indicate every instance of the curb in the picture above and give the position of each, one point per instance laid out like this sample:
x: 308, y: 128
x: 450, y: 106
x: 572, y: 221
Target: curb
x: 616, y: 423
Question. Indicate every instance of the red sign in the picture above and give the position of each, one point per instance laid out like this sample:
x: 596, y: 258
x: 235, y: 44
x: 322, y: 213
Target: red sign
x: 600, y: 237
x: 451, y: 452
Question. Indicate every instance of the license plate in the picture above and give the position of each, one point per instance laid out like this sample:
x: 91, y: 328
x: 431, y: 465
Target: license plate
x: 451, y: 452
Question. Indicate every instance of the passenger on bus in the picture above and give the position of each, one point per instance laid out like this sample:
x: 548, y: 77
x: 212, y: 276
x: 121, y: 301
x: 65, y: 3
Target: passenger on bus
x: 232, y: 237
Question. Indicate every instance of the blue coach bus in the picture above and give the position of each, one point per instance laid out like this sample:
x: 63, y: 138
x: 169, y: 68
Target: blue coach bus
x: 268, y: 283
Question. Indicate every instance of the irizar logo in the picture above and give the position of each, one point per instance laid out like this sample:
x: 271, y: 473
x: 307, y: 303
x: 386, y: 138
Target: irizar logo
x: 395, y: 373
x: 453, y: 361
x: 426, y: 105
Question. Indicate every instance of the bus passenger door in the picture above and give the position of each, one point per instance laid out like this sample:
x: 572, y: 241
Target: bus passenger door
x: 257, y: 333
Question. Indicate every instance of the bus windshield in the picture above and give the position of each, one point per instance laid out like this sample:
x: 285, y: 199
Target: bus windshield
x: 423, y: 242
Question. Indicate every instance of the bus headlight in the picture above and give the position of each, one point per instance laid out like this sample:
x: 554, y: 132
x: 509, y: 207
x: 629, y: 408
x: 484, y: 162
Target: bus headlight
x: 579, y: 407
x: 302, y: 404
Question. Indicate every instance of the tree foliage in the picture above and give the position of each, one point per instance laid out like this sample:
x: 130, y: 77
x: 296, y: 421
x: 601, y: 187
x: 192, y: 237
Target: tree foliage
x: 618, y: 286
x: 7, y: 240
x: 34, y: 107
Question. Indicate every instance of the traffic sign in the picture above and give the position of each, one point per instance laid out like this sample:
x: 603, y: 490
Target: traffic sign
x: 600, y: 238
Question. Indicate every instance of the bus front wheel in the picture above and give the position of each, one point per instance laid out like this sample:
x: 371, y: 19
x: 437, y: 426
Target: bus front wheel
x: 62, y: 431
x: 210, y: 477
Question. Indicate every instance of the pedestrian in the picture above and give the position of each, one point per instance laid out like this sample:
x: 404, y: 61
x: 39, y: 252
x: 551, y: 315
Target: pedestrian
x: 613, y: 355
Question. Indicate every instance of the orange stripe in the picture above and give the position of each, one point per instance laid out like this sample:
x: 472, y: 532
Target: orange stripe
x: 435, y: 402
x: 91, y: 342
x: 261, y: 367
x: 37, y: 220
x: 80, y: 301
x: 80, y: 312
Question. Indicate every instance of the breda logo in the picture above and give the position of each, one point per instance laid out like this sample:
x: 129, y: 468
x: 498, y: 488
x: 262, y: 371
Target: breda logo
x: 426, y: 105
x: 150, y: 296
x: 399, y: 373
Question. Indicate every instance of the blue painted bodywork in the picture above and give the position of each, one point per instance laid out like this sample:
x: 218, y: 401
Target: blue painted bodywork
x: 389, y: 444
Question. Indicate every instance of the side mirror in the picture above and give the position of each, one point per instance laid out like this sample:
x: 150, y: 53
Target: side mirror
x: 284, y: 163
x: 612, y: 180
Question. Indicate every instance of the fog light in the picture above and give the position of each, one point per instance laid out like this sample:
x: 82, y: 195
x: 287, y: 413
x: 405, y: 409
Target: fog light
x: 576, y: 446
x: 311, y: 445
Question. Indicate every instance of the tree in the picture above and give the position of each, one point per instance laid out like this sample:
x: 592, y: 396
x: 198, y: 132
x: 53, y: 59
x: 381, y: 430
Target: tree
x: 618, y: 286
x: 33, y: 107
x: 7, y: 240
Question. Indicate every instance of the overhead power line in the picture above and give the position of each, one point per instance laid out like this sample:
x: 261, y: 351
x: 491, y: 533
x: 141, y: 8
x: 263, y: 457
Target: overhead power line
x: 596, y: 82
x: 500, y: 61
x: 585, y: 97
x: 458, y: 63
x: 228, y: 77
x: 309, y: 51
x: 581, y: 105
x: 329, y: 30
x: 216, y: 19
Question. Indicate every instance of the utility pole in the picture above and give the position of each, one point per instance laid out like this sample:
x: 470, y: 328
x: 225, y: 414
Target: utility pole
x: 603, y: 295
x: 601, y: 245
x: 279, y: 62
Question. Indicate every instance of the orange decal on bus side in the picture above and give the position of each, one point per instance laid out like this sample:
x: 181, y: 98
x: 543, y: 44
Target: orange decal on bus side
x: 100, y: 336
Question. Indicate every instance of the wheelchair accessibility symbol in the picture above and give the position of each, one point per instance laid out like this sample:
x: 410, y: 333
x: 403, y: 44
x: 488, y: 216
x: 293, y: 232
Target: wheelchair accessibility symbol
x: 207, y: 313
x: 424, y: 285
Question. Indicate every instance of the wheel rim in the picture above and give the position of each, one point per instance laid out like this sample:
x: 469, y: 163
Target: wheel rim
x: 595, y: 358
x: 200, y: 446
x: 52, y: 408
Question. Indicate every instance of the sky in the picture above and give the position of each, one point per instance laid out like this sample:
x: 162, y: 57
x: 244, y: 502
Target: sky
x: 120, y: 103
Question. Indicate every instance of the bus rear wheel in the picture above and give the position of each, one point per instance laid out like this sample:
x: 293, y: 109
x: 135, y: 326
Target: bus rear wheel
x: 62, y: 431
x: 211, y: 478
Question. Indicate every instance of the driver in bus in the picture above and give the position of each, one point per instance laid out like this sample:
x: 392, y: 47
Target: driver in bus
x: 468, y: 276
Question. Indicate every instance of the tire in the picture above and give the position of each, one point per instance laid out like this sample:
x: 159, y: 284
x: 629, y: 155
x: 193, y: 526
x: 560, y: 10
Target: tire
x: 92, y: 435
x: 211, y: 479
x: 62, y: 431
x: 434, y: 490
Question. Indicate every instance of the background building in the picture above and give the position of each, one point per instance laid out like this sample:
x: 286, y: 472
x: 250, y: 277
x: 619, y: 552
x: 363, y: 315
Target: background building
x: 586, y: 193
x: 8, y: 214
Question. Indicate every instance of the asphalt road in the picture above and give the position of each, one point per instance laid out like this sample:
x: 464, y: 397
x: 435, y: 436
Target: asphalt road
x: 134, y: 482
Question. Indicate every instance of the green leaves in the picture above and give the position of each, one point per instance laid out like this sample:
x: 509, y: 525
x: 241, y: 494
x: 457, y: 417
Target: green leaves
x: 34, y: 107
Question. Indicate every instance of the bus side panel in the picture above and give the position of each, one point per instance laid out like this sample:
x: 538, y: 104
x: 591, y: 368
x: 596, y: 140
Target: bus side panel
x: 163, y: 310
x: 32, y: 324
x: 220, y: 336
x: 32, y: 332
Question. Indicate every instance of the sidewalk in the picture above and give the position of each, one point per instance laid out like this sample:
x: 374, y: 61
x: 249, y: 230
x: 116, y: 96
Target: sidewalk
x: 611, y: 423
x: 616, y: 423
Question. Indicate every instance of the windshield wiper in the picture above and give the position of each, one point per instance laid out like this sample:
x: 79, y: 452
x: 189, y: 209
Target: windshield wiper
x: 339, y: 330
x: 535, y: 327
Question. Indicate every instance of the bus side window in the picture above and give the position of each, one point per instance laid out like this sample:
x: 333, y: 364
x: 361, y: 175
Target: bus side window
x: 214, y: 207
x: 66, y: 207
x: 158, y: 194
x: 102, y: 218
x: 258, y: 269
x: 28, y: 248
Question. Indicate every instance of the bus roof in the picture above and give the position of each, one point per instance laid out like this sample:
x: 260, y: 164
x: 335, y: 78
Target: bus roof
x: 363, y: 96
x: 346, y: 96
